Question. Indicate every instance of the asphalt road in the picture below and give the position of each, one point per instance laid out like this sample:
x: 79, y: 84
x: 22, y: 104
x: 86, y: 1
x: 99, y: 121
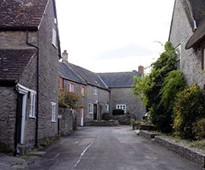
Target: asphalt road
x: 109, y: 148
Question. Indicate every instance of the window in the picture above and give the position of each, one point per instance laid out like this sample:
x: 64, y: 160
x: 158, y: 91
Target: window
x: 71, y: 87
x: 32, y: 113
x: 121, y: 106
x: 54, y: 38
x: 90, y: 108
x: 95, y: 91
x: 107, y: 108
x: 203, y: 59
x: 53, y: 116
x: 82, y: 91
x: 178, y: 52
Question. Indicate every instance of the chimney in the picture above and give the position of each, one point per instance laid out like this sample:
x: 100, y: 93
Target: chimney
x: 65, y: 55
x: 141, y: 70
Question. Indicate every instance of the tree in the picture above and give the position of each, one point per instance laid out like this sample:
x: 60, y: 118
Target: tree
x: 68, y: 99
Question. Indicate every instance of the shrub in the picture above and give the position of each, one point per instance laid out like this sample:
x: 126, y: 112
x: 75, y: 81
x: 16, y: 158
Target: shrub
x: 106, y: 116
x: 118, y: 112
x: 199, y: 129
x: 68, y: 99
x: 4, y: 148
x: 189, y: 107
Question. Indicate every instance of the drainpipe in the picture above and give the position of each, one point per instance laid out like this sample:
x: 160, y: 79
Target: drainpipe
x: 37, y: 79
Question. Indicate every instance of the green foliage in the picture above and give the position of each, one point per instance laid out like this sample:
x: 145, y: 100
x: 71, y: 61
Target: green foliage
x: 172, y: 85
x: 189, y: 107
x: 149, y: 87
x: 68, y: 99
x: 199, y: 129
x: 45, y: 142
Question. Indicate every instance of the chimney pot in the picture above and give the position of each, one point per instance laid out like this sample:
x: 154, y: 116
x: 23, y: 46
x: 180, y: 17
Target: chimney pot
x: 65, y: 55
x: 141, y: 70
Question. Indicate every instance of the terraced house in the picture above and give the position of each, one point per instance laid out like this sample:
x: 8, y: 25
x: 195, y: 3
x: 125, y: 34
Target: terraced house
x: 104, y: 92
x: 187, y: 34
x: 29, y: 55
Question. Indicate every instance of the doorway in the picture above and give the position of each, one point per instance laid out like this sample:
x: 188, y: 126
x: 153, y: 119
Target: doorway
x: 95, y: 112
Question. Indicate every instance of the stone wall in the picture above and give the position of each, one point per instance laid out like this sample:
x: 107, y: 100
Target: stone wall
x: 125, y: 96
x: 48, y: 74
x: 65, y: 122
x: 8, y: 100
x: 180, y: 33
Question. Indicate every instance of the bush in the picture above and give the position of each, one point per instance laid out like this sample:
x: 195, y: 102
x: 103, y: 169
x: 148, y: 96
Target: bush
x: 199, y: 129
x: 106, y: 116
x: 118, y: 112
x: 189, y: 107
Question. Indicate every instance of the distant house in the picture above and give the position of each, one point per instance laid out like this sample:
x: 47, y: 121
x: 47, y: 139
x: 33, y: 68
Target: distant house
x: 105, y: 92
x: 29, y: 54
x: 121, y: 92
x: 70, y: 81
x: 187, y: 34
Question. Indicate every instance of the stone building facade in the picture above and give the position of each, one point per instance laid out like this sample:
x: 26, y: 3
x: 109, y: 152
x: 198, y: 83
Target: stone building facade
x: 187, y: 21
x: 29, y: 54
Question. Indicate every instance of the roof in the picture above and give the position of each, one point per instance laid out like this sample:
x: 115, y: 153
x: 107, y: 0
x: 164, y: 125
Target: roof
x: 66, y: 72
x: 21, y: 14
x: 119, y: 79
x: 90, y: 77
x: 196, y: 10
x: 13, y: 63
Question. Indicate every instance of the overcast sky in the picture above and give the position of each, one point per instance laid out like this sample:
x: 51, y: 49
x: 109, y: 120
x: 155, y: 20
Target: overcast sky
x: 113, y: 35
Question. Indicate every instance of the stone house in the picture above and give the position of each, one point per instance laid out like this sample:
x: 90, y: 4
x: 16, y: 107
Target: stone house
x: 29, y: 55
x: 121, y: 92
x: 187, y: 34
x: 104, y: 92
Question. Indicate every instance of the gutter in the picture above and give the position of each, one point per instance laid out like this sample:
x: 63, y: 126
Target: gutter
x: 37, y: 85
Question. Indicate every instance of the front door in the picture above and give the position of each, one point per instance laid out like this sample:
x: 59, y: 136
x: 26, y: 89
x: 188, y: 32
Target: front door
x: 95, y: 112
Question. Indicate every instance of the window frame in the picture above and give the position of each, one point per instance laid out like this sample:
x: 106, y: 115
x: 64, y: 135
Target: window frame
x: 90, y: 108
x: 82, y: 91
x: 32, y: 111
x: 178, y: 50
x: 95, y: 91
x: 53, y: 112
x: 72, y: 87
x: 122, y: 107
x: 54, y: 37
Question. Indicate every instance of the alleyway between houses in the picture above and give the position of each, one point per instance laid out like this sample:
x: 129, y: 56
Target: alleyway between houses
x: 108, y: 148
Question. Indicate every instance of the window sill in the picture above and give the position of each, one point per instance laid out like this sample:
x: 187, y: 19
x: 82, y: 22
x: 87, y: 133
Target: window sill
x: 53, y: 121
x: 32, y: 117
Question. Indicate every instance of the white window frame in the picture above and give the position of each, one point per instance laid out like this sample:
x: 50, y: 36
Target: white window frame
x: 122, y: 107
x: 54, y: 37
x: 53, y: 112
x: 71, y: 87
x: 82, y: 91
x: 178, y: 51
x: 90, y: 108
x: 32, y: 112
x: 95, y: 91
x: 107, y: 108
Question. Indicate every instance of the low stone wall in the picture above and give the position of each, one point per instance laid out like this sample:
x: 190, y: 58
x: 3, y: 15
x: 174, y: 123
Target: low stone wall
x: 65, y: 122
x: 147, y: 134
x: 102, y: 123
x: 191, y: 154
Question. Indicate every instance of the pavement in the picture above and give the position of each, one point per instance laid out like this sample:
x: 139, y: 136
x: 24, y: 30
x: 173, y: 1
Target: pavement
x: 101, y: 148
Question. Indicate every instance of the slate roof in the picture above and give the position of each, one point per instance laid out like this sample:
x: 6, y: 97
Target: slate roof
x: 197, y: 8
x: 66, y: 72
x: 119, y: 79
x: 13, y: 62
x: 90, y: 77
x: 21, y: 14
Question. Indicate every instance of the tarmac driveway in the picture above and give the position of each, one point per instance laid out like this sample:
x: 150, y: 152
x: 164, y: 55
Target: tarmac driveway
x: 109, y: 148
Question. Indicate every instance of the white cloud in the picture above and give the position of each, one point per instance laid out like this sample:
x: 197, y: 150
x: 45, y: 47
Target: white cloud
x: 92, y: 30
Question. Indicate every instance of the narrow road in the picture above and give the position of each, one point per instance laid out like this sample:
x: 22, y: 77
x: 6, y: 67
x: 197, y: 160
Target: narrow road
x: 109, y: 148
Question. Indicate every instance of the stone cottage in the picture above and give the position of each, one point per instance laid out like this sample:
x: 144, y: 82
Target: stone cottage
x: 29, y: 55
x: 104, y: 92
x: 187, y: 34
x: 121, y: 92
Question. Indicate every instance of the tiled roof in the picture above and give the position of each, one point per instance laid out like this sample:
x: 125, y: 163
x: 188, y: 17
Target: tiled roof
x: 90, y: 77
x: 21, y: 14
x: 197, y: 8
x: 13, y: 62
x: 119, y: 79
x: 66, y: 72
